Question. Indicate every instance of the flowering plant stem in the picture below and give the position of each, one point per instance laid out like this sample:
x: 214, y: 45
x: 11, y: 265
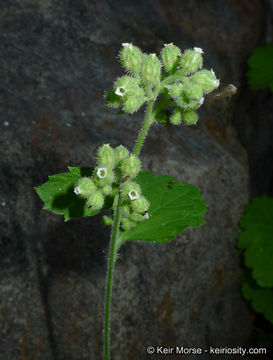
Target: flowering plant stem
x: 115, y: 243
x: 116, y: 183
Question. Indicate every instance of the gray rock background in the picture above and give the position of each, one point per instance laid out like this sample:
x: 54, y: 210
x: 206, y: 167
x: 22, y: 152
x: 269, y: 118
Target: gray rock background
x: 57, y: 58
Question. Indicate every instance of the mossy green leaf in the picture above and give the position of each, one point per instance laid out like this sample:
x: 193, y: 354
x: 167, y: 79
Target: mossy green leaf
x: 260, y: 75
x: 257, y: 239
x: 59, y: 197
x: 174, y: 206
x: 261, y: 298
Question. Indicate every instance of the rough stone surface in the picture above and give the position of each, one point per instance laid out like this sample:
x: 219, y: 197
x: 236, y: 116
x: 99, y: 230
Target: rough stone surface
x: 56, y: 60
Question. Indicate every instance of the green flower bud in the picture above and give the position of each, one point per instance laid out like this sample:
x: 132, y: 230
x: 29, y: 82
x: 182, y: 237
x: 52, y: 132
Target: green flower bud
x: 170, y: 57
x: 106, y: 156
x: 121, y: 153
x: 125, y: 210
x: 130, y: 166
x: 127, y: 85
x: 131, y: 58
x: 136, y: 217
x: 112, y: 99
x: 103, y: 176
x: 107, y: 189
x: 127, y: 224
x: 132, y: 103
x: 175, y: 118
x: 151, y: 69
x: 193, y: 92
x: 190, y: 117
x: 175, y: 90
x: 106, y: 220
x: 140, y: 205
x: 130, y: 191
x: 85, y: 187
x: 187, y: 104
x: 191, y: 61
x: 95, y: 201
x: 206, y: 80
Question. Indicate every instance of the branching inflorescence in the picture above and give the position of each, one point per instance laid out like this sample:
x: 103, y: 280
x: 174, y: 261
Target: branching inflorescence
x: 180, y: 82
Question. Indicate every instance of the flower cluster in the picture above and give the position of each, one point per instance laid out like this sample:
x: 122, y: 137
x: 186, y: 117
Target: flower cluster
x: 115, y: 170
x: 174, y: 74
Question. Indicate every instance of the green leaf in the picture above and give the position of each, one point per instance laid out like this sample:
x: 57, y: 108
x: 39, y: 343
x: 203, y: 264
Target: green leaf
x: 261, y: 298
x: 260, y: 75
x: 257, y: 239
x: 174, y: 207
x: 59, y: 197
x: 163, y: 116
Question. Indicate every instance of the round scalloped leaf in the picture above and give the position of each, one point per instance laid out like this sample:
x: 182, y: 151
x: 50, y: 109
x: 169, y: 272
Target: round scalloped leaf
x: 59, y: 197
x: 260, y: 75
x: 261, y: 298
x: 257, y: 239
x: 174, y: 207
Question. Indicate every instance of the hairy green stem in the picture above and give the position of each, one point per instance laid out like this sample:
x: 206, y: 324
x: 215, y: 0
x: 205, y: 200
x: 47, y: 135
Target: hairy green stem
x: 147, y: 122
x: 115, y: 242
x: 110, y: 274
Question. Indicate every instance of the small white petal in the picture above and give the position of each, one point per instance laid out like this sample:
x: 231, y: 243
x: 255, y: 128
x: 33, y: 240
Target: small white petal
x: 127, y: 44
x: 120, y: 91
x: 77, y: 191
x: 133, y: 195
x: 102, y: 173
x: 201, y: 100
x: 147, y: 216
x: 198, y: 50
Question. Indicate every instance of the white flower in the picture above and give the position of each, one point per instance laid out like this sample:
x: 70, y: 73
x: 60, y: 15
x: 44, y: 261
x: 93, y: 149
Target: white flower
x: 133, y: 195
x: 102, y: 173
x: 127, y: 44
x: 120, y: 91
x: 198, y: 50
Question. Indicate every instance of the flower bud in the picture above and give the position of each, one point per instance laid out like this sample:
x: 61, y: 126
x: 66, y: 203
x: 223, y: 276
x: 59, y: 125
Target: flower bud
x: 106, y: 156
x: 132, y: 103
x: 85, y: 187
x: 193, y: 92
x: 103, y: 176
x: 190, y: 117
x: 95, y: 201
x: 206, y: 80
x: 125, y: 210
x: 121, y: 153
x: 140, y: 205
x: 106, y: 220
x: 136, y: 217
x: 175, y: 118
x: 130, y: 166
x: 131, y: 58
x: 187, y: 104
x: 107, y: 189
x: 127, y: 224
x: 130, y: 191
x: 151, y: 68
x: 170, y: 57
x: 127, y: 85
x: 175, y: 90
x: 191, y: 61
x: 112, y: 99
